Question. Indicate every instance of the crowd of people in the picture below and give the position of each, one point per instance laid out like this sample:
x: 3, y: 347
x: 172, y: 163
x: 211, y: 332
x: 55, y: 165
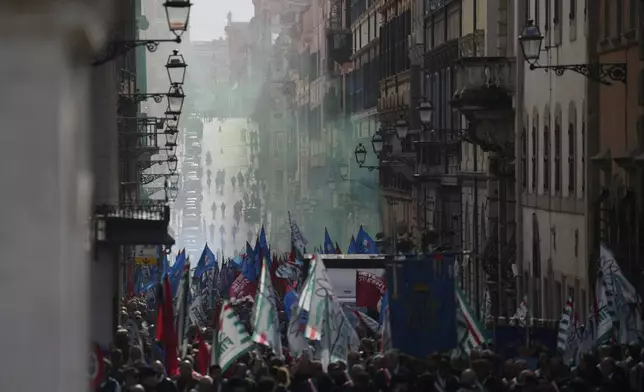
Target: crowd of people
x: 134, y: 365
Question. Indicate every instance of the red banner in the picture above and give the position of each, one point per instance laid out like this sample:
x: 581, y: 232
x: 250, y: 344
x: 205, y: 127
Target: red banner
x: 241, y: 287
x: 369, y: 289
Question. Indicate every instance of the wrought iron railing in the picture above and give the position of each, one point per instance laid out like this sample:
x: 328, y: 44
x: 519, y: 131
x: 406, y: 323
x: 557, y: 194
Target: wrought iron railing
x: 151, y: 212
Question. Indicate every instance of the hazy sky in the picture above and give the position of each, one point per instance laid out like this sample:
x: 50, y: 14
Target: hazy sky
x: 208, y: 17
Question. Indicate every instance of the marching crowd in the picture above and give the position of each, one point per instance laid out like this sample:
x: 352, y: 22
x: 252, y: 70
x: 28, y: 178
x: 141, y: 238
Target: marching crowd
x: 134, y: 365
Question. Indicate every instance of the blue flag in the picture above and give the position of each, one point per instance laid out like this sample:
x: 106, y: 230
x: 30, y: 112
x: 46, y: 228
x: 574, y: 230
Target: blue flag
x: 206, y: 262
x: 422, y: 305
x: 352, y: 247
x: 165, y: 266
x: 174, y: 275
x: 364, y: 243
x: 289, y: 299
x: 263, y: 244
x: 248, y: 267
x: 329, y: 248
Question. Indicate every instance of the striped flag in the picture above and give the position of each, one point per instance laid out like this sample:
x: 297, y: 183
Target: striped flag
x: 266, y: 323
x: 521, y: 315
x: 230, y: 340
x: 471, y: 332
x: 183, y: 310
x: 565, y: 326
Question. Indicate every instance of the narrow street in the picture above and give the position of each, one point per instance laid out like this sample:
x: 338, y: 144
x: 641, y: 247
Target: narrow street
x: 223, y: 142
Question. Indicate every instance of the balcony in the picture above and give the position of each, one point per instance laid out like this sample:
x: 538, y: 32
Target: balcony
x: 339, y: 44
x: 133, y: 225
x: 485, y: 84
x: 485, y: 97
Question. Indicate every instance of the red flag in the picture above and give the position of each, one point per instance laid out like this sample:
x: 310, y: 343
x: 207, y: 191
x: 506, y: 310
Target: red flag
x: 369, y: 289
x: 168, y: 335
x: 203, y: 355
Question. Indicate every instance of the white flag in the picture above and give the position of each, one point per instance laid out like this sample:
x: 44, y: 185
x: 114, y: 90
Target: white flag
x: 297, y: 342
x: 197, y: 315
x: 266, y: 325
x: 327, y: 321
x: 313, y: 298
x: 521, y: 315
x: 231, y: 340
x: 297, y: 238
x: 565, y: 326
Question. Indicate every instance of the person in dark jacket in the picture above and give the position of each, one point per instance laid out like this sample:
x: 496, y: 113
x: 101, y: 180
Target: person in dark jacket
x: 613, y: 380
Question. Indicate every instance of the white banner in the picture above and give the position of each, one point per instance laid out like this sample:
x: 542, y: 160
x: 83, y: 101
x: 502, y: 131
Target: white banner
x: 231, y: 341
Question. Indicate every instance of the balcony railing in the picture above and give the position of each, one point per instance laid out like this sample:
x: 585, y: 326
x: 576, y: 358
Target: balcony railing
x: 133, y: 224
x: 472, y: 44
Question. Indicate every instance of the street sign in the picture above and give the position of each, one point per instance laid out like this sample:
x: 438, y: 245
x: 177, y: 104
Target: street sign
x: 146, y: 255
x: 96, y: 369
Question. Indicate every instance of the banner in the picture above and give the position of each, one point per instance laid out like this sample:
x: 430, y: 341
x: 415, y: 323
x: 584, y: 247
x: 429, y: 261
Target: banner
x: 422, y: 304
x: 197, y: 314
x: 231, y: 340
x: 369, y: 289
x: 266, y: 326
x: 241, y: 287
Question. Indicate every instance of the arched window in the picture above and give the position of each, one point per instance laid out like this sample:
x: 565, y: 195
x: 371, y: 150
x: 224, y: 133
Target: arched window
x: 546, y: 151
x: 534, y: 140
x: 572, y: 150
x: 558, y: 166
x: 583, y: 157
x: 524, y: 155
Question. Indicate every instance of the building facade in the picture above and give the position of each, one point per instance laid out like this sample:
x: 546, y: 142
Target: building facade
x: 615, y: 137
x: 551, y: 161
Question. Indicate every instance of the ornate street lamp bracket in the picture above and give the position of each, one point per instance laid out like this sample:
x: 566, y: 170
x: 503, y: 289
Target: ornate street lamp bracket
x: 604, y: 73
x: 119, y: 48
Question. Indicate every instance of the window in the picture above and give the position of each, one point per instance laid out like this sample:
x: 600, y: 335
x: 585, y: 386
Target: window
x: 583, y: 159
x: 632, y: 14
x: 546, y: 154
x: 572, y: 167
x: 535, y: 142
x: 606, y: 18
x: 524, y: 160
x: 619, y: 16
x: 559, y: 301
x: 572, y: 150
x: 572, y: 13
x: 558, y: 163
x: 537, y: 5
x: 556, y: 19
x: 546, y: 25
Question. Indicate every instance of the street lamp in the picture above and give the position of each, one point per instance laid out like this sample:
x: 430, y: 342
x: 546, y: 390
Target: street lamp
x: 377, y: 143
x: 171, y: 136
x: 176, y: 67
x: 172, y: 163
x: 173, y: 193
x: 531, y: 41
x: 425, y: 111
x: 174, y: 179
x: 361, y: 154
x: 178, y: 13
x: 402, y: 128
x: 171, y: 121
x: 175, y: 100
